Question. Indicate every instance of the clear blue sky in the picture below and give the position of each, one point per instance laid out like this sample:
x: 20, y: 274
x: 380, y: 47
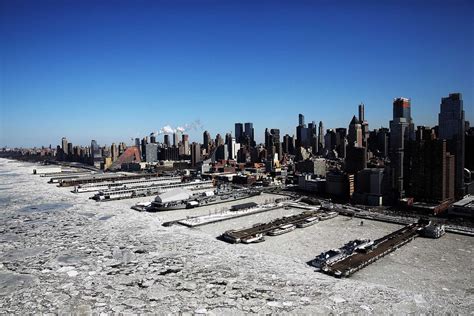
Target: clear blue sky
x: 112, y: 70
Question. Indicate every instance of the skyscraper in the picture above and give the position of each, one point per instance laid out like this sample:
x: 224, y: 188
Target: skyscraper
x: 231, y: 147
x: 152, y: 138
x: 249, y: 134
x: 313, y: 137
x: 96, y: 154
x: 321, y: 137
x: 272, y: 143
x: 401, y: 131
x: 114, y: 152
x: 195, y: 154
x: 341, y: 142
x: 301, y: 119
x: 219, y: 140
x: 151, y: 152
x: 166, y: 140
x: 70, y: 152
x: 288, y: 145
x: 330, y: 139
x: 431, y: 176
x: 239, y: 132
x: 364, y: 125
x: 355, y: 133
x: 302, y: 139
x: 176, y: 139
x: 143, y: 147
x: 451, y: 128
x: 64, y: 147
x: 206, y: 138
x: 361, y: 112
x: 185, y: 141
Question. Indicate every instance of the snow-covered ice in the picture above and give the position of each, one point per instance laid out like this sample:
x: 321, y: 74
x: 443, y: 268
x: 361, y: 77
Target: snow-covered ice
x: 63, y: 253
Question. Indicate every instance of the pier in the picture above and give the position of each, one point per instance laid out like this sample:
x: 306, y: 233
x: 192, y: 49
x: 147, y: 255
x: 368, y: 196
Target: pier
x: 380, y: 248
x: 105, y: 177
x: 301, y: 220
x: 154, y: 189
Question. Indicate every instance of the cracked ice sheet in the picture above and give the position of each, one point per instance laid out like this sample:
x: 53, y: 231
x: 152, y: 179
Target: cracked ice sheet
x: 79, y: 256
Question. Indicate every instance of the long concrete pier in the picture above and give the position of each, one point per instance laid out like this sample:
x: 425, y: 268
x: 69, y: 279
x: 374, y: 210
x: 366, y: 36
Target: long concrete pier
x: 381, y: 247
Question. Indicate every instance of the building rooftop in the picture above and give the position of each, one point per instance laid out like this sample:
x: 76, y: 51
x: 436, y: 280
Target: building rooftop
x: 243, y: 206
x: 466, y: 202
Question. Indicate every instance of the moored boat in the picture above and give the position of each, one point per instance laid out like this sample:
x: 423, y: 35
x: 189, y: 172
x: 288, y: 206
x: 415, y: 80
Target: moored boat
x: 327, y: 215
x: 283, y: 229
x: 253, y: 239
x: 308, y: 222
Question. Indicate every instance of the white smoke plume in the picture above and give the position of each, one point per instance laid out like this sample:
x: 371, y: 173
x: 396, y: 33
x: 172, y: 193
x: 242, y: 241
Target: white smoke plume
x: 196, y: 125
x: 167, y: 130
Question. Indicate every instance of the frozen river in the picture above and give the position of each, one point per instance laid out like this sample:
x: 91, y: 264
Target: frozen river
x: 61, y: 252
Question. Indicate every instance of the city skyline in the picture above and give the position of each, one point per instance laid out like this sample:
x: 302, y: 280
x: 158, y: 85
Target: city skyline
x: 213, y: 157
x: 77, y: 70
x: 196, y: 129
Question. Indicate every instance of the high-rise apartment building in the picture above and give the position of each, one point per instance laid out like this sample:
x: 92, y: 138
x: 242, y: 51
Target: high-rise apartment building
x: 451, y: 124
x: 401, y: 131
x: 151, y: 152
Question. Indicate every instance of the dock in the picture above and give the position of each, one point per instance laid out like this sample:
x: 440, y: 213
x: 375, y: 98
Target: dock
x: 301, y: 220
x: 381, y: 247
x: 153, y: 189
x: 225, y: 215
x: 105, y: 177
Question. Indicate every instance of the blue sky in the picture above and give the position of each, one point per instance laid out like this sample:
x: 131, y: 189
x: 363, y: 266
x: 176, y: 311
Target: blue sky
x: 113, y: 70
